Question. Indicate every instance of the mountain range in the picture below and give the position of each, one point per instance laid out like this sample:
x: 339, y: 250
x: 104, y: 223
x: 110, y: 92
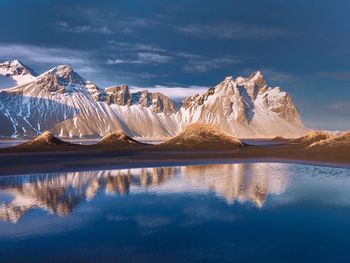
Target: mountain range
x: 61, y: 101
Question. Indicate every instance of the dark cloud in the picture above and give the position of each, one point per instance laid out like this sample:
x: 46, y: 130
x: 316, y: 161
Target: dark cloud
x: 233, y: 31
x: 142, y: 58
x: 337, y: 75
x: 340, y: 106
x: 65, y: 27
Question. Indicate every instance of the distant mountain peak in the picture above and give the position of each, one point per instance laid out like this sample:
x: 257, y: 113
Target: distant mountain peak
x: 256, y: 74
x: 16, y: 67
x: 66, y: 75
x: 17, y: 71
x: 229, y: 78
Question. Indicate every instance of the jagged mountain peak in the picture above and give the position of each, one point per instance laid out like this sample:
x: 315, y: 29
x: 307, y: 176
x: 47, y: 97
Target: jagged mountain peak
x: 65, y: 74
x: 64, y: 79
x: 229, y: 78
x: 236, y: 104
x: 156, y: 101
x: 119, y: 94
x: 63, y: 102
x: 17, y: 71
x: 256, y: 75
x: 15, y: 67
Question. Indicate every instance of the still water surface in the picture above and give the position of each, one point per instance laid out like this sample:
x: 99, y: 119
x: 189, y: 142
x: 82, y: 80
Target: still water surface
x: 262, y: 212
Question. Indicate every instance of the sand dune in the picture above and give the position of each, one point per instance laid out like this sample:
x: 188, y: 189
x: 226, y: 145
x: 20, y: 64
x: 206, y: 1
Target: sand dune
x: 279, y: 139
x: 312, y: 137
x: 44, y: 140
x: 339, y: 141
x: 204, y: 137
x: 119, y: 138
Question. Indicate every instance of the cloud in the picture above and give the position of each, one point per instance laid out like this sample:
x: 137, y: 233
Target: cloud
x: 127, y: 46
x: 273, y: 75
x: 172, y: 91
x: 142, y: 58
x: 201, y: 64
x: 48, y: 56
x: 342, y: 106
x: 149, y: 58
x: 42, y: 54
x: 140, y: 53
x: 337, y: 75
x: 65, y: 27
x: 130, y: 24
x: 202, y: 214
x: 152, y: 221
x: 196, y: 63
x: 278, y: 76
x: 232, y: 31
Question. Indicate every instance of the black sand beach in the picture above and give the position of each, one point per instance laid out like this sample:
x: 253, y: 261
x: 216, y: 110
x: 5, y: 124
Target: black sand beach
x: 75, y: 158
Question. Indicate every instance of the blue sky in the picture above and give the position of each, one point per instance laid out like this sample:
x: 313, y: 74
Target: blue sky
x: 302, y: 46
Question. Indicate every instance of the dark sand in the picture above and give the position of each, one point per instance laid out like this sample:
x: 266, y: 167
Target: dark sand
x: 94, y: 157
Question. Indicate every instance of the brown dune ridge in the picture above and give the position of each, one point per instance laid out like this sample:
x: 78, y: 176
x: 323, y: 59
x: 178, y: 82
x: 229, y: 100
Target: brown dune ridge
x: 49, y: 142
x: 279, y: 139
x: 198, y: 143
x: 203, y: 137
x: 46, y: 139
x: 333, y: 143
x: 118, y: 138
x: 312, y: 137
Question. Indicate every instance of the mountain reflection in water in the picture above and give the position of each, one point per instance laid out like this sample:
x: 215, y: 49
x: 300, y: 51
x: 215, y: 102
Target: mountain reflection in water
x: 59, y: 193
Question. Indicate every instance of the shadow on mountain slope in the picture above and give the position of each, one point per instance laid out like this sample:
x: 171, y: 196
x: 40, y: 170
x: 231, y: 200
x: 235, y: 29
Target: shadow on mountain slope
x: 23, y: 111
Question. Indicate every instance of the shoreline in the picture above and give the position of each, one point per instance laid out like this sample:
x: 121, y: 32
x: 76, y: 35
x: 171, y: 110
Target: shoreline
x: 16, y: 163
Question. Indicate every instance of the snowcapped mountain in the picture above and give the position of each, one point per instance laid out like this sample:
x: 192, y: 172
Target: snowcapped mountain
x: 244, y: 107
x: 63, y: 102
x: 18, y: 72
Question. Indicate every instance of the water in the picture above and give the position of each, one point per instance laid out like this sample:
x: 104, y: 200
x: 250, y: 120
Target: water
x: 263, y: 212
x: 10, y: 143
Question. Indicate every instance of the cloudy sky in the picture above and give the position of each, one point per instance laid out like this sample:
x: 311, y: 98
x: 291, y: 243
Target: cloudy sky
x: 302, y: 46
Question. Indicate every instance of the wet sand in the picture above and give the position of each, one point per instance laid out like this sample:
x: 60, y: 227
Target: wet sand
x: 77, y: 158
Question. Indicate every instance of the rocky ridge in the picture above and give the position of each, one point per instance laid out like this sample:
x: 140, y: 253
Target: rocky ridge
x: 61, y: 101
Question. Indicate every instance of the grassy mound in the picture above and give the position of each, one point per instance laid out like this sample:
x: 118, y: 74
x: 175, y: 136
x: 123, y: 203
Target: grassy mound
x: 46, y: 139
x: 119, y: 138
x: 312, y: 137
x: 340, y: 141
x: 203, y: 137
x: 279, y: 139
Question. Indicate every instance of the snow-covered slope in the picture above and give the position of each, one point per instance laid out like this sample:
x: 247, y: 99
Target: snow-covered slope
x: 63, y: 102
x: 16, y: 71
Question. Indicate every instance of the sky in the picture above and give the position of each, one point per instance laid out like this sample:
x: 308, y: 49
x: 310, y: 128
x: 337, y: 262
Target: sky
x: 182, y: 47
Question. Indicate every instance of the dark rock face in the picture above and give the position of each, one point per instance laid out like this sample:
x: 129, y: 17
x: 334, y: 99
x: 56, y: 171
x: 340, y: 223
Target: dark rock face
x: 50, y: 82
x: 66, y: 75
x: 198, y: 99
x: 156, y: 101
x: 119, y: 95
